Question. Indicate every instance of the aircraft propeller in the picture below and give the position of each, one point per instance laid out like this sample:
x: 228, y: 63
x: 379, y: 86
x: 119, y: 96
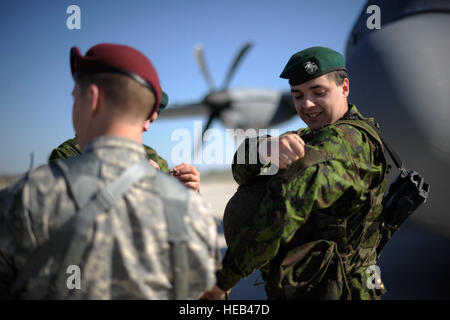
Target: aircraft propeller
x: 216, y: 100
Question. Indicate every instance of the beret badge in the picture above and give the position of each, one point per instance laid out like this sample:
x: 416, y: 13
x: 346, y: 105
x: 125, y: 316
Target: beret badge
x: 310, y: 67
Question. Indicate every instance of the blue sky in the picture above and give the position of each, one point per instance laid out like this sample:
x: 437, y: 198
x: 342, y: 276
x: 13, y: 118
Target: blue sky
x: 35, y: 81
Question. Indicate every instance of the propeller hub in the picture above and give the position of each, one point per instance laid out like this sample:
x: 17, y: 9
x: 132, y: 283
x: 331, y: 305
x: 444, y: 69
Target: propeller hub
x: 218, y: 100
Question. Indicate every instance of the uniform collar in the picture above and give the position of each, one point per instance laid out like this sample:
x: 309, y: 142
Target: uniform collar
x: 113, y: 144
x: 352, y: 113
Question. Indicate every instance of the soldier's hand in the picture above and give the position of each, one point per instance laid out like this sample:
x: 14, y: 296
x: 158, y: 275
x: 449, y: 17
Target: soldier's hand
x: 154, y: 164
x: 290, y: 148
x: 188, y: 175
x: 215, y: 294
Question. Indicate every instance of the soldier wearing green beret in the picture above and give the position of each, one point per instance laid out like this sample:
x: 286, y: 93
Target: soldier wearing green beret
x: 314, y: 230
x: 186, y: 173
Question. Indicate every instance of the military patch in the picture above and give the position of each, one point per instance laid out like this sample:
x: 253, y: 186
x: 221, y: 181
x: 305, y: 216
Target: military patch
x: 310, y: 66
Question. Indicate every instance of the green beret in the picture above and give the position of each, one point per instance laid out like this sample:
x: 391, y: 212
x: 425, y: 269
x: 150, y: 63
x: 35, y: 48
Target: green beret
x: 312, y: 63
x: 164, y: 101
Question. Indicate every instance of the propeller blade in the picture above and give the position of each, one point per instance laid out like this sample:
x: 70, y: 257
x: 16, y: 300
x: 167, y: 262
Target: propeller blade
x: 201, y: 62
x: 208, y: 124
x: 235, y: 64
x: 184, y: 110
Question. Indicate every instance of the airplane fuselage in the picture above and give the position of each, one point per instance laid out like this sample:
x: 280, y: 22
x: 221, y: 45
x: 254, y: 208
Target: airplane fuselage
x: 400, y: 74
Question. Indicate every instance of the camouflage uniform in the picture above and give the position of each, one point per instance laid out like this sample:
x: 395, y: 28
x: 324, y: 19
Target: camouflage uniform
x: 70, y: 148
x: 316, y: 228
x: 129, y: 254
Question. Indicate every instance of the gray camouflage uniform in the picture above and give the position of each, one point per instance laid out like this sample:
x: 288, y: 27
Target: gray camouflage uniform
x: 129, y: 253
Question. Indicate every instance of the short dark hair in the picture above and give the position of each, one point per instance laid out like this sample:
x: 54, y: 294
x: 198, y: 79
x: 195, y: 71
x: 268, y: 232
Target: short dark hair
x: 124, y: 95
x: 337, y: 76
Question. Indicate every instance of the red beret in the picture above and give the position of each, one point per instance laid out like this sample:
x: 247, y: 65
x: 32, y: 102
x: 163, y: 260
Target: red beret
x: 107, y: 57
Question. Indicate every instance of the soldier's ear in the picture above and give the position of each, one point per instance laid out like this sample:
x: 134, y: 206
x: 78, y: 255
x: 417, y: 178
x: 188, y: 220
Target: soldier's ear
x: 154, y: 116
x: 146, y: 125
x: 95, y: 99
x: 346, y: 87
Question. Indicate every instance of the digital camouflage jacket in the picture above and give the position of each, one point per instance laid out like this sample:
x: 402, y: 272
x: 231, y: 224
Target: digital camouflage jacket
x: 129, y: 254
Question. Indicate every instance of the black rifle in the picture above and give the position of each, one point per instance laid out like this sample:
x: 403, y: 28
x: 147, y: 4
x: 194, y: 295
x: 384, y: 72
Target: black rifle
x: 405, y: 195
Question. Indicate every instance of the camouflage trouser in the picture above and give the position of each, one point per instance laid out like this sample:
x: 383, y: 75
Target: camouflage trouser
x: 361, y: 287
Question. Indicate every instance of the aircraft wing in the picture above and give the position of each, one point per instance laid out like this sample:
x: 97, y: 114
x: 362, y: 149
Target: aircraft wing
x: 182, y: 110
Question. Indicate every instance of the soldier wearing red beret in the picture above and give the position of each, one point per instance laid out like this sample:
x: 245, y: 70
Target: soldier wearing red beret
x: 106, y: 224
x: 119, y: 63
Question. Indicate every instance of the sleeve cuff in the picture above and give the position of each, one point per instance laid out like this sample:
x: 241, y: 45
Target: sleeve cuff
x: 227, y: 279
